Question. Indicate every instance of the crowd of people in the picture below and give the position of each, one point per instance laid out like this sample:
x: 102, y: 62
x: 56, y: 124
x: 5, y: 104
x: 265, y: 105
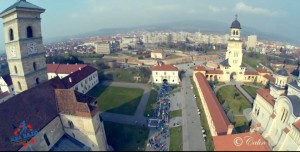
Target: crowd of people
x: 160, y: 119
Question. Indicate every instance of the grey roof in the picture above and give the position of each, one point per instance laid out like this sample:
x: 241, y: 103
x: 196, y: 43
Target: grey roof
x: 294, y: 84
x: 243, y: 65
x: 296, y: 104
x: 21, y: 4
x: 282, y: 72
x: 236, y: 24
x: 225, y: 63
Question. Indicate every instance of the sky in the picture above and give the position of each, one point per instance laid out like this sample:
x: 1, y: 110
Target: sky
x: 70, y: 17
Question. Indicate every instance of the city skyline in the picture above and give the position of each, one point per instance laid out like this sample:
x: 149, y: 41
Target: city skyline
x: 89, y: 15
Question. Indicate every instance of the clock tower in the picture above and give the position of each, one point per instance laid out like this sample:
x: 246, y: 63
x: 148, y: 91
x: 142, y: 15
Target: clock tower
x: 24, y: 45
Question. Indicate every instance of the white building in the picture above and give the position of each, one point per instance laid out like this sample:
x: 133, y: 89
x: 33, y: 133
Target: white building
x: 276, y: 114
x: 62, y: 70
x: 83, y: 80
x: 158, y: 54
x: 251, y: 42
x: 167, y: 73
x: 103, y: 47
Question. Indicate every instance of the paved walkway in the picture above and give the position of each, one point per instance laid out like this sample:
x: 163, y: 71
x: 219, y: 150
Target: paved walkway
x: 138, y: 118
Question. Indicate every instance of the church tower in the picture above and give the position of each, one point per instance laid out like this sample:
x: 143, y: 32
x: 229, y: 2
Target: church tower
x: 234, y: 52
x: 24, y: 45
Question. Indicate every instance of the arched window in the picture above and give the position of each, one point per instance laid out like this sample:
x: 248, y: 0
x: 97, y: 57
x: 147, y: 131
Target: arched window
x: 34, y: 66
x: 16, y: 70
x: 37, y: 81
x: 29, y: 32
x: 233, y: 32
x: 19, y: 84
x: 11, y: 34
x: 237, y: 32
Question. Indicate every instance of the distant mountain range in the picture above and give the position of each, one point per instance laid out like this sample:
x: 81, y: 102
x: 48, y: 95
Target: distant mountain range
x: 204, y: 26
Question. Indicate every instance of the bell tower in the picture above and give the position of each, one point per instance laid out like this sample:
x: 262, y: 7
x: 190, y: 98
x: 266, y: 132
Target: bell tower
x: 24, y: 45
x: 234, y: 52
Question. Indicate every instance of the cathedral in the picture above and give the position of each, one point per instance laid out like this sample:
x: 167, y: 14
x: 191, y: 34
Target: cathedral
x: 276, y: 113
x: 43, y: 114
x: 232, y: 68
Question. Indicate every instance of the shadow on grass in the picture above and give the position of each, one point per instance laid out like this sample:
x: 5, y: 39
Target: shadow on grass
x: 126, y: 137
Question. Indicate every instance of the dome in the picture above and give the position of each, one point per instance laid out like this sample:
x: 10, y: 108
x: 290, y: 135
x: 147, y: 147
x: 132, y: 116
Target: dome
x: 282, y: 72
x: 295, y: 72
x: 236, y: 24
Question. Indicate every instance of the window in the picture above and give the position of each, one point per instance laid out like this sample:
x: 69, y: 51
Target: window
x: 46, y: 140
x: 11, y: 34
x: 156, y: 73
x: 237, y: 32
x: 173, y: 73
x: 233, y: 32
x: 34, y: 66
x: 165, y: 73
x: 71, y: 125
x: 156, y: 80
x: 29, y: 32
x: 37, y: 81
x: 16, y: 70
x: 19, y: 84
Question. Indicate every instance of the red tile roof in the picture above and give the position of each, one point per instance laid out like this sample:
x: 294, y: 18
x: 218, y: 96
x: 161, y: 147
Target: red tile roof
x: 286, y: 130
x: 251, y: 73
x: 219, y: 118
x: 199, y: 68
x: 64, y: 68
x: 214, y: 72
x: 273, y: 116
x: 4, y: 94
x: 164, y: 68
x: 265, y: 93
x: 297, y: 124
x: 67, y: 101
x: 78, y: 76
x: 241, y: 142
x: 269, y: 77
x: 262, y: 70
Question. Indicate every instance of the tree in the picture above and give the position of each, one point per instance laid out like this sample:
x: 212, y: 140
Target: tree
x: 226, y: 106
x: 267, y: 84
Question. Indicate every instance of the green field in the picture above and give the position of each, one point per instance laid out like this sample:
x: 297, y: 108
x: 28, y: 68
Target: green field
x: 117, y: 99
x: 251, y: 62
x: 209, y: 141
x: 176, y: 139
x: 237, y: 103
x: 151, y: 103
x: 250, y: 90
x: 241, y: 124
x: 126, y: 75
x: 176, y: 113
x: 126, y: 137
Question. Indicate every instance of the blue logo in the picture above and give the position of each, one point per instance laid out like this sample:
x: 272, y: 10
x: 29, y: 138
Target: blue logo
x: 23, y: 132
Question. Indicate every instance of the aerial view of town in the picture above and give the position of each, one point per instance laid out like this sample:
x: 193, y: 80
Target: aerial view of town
x: 152, y: 75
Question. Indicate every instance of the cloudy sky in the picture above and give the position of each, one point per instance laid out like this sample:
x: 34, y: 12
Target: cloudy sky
x: 68, y: 17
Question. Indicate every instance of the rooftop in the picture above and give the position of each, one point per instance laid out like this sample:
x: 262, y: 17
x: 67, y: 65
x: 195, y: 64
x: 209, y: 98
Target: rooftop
x: 230, y: 142
x: 68, y: 143
x: 225, y: 63
x: 219, y: 118
x: 22, y: 4
x: 297, y: 124
x: 214, y: 72
x: 78, y: 76
x: 199, y: 68
x: 7, y: 79
x: 251, y: 73
x: 164, y: 68
x: 262, y: 70
x: 265, y: 93
x: 64, y: 68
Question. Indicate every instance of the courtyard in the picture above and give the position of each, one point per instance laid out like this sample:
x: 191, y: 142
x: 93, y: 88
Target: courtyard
x: 117, y: 99
x: 234, y: 103
x: 126, y: 137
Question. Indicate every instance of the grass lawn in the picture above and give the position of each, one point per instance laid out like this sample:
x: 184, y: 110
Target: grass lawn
x: 126, y: 137
x: 251, y: 62
x: 117, y: 99
x: 151, y: 103
x: 250, y: 90
x: 173, y: 56
x: 236, y: 103
x: 209, y: 141
x: 176, y: 139
x: 176, y: 113
x: 127, y: 75
x: 241, y: 124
